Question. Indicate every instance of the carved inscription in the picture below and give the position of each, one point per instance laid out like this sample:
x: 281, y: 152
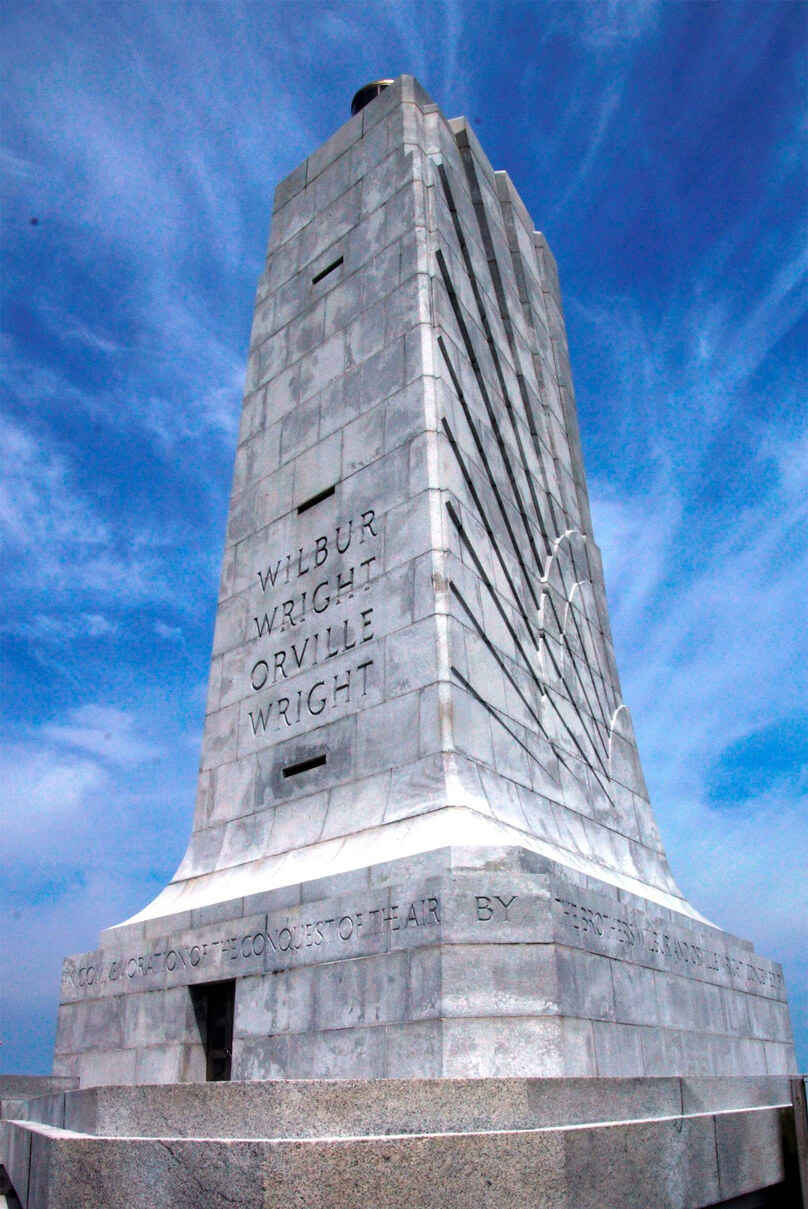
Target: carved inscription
x: 316, y: 606
x: 493, y: 907
x: 312, y: 700
x: 275, y: 944
x: 598, y: 924
x: 631, y: 934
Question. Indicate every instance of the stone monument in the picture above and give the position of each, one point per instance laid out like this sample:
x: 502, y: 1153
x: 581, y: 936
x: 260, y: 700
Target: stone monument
x: 423, y: 845
x: 424, y: 950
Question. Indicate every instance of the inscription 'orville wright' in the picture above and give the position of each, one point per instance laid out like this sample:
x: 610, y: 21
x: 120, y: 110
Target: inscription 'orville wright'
x: 304, y: 631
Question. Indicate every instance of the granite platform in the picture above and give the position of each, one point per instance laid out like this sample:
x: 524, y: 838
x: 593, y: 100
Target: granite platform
x: 423, y: 1144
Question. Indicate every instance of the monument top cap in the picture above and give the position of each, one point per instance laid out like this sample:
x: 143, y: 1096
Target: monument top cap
x: 367, y: 93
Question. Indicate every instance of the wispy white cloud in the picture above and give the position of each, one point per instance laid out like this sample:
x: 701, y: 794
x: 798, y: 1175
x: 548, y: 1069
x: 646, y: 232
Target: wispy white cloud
x: 40, y: 508
x: 72, y: 329
x: 102, y: 731
x: 606, y: 108
x: 44, y: 787
x: 55, y: 628
x: 44, y: 509
x: 714, y: 655
x: 207, y: 403
x: 93, y: 824
x: 707, y: 581
x: 171, y: 633
x: 761, y: 848
x: 57, y: 777
x: 706, y: 597
x: 606, y: 24
x: 78, y: 782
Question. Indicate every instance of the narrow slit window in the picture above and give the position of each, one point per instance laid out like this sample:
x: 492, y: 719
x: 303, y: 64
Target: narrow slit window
x: 292, y: 770
x: 324, y: 272
x: 315, y: 499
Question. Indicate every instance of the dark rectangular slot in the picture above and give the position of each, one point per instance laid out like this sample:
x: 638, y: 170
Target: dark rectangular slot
x: 324, y: 272
x: 315, y: 499
x: 291, y: 770
x: 214, y: 1007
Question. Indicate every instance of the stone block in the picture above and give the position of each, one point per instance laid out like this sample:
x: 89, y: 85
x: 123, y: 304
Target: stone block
x: 99, y: 1066
x: 535, y: 1045
x: 160, y: 1018
x: 387, y: 735
x: 241, y: 836
x: 333, y: 1054
x: 370, y: 150
x: 232, y: 791
x: 166, y: 1063
x: 415, y: 788
x: 363, y: 440
x: 299, y: 430
x: 290, y: 185
x: 291, y: 218
x: 281, y: 1004
x: 749, y: 1157
x: 618, y: 1049
x: 332, y: 182
x: 410, y: 658
x: 331, y: 224
x: 508, y: 980
x: 345, y: 299
x: 382, y: 272
x: 15, y: 1148
x: 322, y: 366
x: 425, y: 997
x: 634, y: 995
x: 367, y: 991
x: 340, y: 142
x: 413, y: 1047
x: 356, y: 805
x: 698, y: 1002
x: 585, y: 986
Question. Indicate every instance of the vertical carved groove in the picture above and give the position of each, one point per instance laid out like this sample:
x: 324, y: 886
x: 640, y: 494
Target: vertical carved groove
x: 466, y: 337
x: 594, y: 742
x: 499, y: 293
x: 507, y: 323
x: 464, y: 252
x: 597, y: 740
x: 548, y: 694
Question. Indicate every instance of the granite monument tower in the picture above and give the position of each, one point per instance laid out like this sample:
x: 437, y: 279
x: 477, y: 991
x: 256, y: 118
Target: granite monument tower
x: 423, y: 845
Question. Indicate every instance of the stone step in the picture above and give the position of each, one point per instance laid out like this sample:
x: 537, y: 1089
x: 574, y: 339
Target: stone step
x: 681, y: 1162
x: 355, y: 1108
x: 406, y: 1144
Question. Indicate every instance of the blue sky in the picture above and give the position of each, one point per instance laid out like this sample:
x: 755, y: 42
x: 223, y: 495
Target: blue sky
x: 661, y: 147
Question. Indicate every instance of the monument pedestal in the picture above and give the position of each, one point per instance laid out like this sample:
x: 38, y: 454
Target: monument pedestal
x: 460, y: 963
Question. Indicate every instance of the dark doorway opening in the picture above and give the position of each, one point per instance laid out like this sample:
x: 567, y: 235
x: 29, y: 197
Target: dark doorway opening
x: 214, y: 1006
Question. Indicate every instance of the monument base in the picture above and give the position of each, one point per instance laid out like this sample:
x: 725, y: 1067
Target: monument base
x: 423, y: 1144
x: 460, y: 963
